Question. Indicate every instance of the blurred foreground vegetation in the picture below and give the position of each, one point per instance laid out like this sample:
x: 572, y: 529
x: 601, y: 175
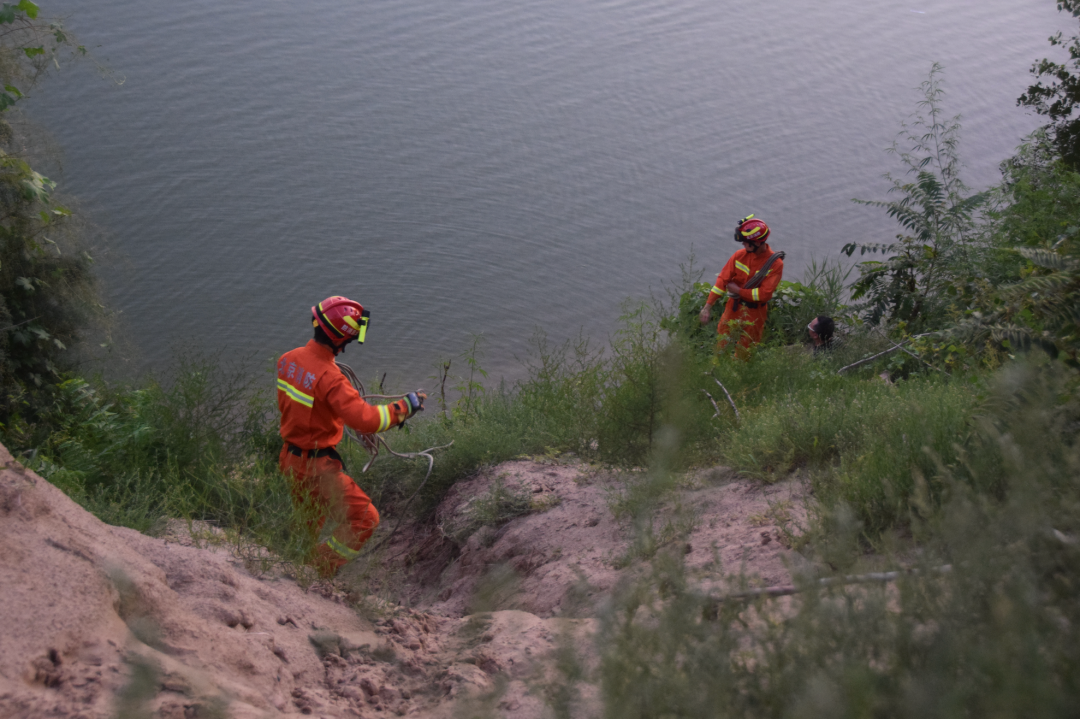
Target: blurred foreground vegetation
x: 938, y: 434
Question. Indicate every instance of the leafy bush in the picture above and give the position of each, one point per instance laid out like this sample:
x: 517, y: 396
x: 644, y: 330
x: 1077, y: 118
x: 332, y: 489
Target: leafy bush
x: 1028, y: 296
x: 1058, y: 100
x: 47, y: 291
x: 936, y: 212
x: 796, y: 304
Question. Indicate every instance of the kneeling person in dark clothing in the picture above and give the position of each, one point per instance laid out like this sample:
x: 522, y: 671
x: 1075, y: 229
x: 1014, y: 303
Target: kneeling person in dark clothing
x: 821, y: 330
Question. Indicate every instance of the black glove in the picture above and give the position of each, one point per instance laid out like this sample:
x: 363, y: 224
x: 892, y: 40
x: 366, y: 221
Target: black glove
x: 416, y: 402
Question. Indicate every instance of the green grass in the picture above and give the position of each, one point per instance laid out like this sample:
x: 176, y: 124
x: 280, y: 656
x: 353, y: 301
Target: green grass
x: 996, y: 635
x: 975, y: 471
x: 205, y: 445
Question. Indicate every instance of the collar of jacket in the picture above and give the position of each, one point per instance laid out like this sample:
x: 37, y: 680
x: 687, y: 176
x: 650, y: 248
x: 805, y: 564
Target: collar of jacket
x: 323, y: 352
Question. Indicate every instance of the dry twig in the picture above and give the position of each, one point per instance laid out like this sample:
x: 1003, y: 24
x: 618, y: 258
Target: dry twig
x: 729, y: 399
x: 882, y: 354
x: 788, y: 589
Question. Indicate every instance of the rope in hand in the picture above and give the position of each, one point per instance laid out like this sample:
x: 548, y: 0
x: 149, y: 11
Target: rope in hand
x: 371, y: 443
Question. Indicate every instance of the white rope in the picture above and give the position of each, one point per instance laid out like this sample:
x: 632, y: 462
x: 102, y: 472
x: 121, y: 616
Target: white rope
x: 371, y: 443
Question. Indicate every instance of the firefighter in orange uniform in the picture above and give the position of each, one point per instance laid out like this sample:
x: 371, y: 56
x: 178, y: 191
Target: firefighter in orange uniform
x: 748, y: 305
x: 316, y: 402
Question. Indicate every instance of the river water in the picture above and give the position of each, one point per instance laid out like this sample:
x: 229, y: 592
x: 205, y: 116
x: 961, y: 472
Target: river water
x: 492, y: 166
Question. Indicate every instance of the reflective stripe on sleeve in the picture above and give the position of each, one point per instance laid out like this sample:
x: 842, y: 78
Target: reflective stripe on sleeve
x: 384, y: 417
x: 741, y: 266
x: 295, y: 394
x: 754, y: 292
x: 341, y: 549
x: 716, y: 290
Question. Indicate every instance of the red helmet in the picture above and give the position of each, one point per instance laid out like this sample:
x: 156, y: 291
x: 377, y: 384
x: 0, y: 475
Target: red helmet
x: 751, y: 230
x: 341, y: 319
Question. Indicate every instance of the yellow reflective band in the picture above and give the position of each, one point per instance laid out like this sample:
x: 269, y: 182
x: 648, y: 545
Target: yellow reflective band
x: 384, y: 418
x: 716, y: 290
x: 755, y: 294
x: 741, y: 266
x: 351, y: 322
x: 295, y: 394
x: 341, y: 549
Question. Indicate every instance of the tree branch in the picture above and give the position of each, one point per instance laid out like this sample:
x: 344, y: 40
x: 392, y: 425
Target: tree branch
x: 788, y: 589
x: 882, y: 354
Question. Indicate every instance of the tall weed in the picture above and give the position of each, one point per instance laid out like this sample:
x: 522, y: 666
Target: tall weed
x: 985, y: 624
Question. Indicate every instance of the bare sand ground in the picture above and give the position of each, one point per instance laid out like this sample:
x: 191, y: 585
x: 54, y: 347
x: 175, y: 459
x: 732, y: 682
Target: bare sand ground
x: 453, y: 617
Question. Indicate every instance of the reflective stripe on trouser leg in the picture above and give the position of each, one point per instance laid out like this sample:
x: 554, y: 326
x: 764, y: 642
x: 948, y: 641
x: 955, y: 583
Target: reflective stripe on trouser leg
x: 343, y: 551
x: 336, y: 495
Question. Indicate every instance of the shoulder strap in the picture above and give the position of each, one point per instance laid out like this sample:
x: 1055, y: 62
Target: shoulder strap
x: 759, y: 276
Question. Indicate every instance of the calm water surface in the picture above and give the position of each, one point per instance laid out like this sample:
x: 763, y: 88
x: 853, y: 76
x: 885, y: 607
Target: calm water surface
x: 492, y: 166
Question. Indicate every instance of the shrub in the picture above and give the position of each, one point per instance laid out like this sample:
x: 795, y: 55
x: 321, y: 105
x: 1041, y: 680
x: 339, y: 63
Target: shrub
x: 911, y: 284
x: 993, y: 632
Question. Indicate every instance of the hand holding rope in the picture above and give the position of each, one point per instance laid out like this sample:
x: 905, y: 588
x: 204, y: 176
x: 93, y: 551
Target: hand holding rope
x: 371, y: 443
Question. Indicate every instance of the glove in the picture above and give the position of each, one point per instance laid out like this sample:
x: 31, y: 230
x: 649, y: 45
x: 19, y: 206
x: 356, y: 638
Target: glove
x: 416, y: 402
x: 413, y: 403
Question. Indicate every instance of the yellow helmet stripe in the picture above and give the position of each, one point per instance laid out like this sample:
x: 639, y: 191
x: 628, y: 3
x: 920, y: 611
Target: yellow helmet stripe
x: 327, y: 321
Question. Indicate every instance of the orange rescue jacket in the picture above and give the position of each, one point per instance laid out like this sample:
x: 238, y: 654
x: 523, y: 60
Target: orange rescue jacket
x: 317, y: 401
x: 740, y: 268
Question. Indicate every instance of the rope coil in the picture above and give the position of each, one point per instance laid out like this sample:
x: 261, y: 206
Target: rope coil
x: 371, y: 443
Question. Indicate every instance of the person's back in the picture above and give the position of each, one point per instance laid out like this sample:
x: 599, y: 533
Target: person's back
x: 316, y: 402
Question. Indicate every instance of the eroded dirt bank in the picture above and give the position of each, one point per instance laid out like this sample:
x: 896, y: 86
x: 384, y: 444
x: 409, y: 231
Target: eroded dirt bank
x: 100, y: 620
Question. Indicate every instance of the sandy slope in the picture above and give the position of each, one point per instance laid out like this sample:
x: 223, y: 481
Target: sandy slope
x: 93, y: 613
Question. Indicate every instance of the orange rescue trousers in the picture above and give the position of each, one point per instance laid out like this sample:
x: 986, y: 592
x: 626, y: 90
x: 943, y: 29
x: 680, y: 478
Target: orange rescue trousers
x: 748, y: 329
x: 321, y: 484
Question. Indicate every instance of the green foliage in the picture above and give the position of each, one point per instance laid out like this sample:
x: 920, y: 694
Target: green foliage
x: 631, y: 400
x: 995, y: 634
x: 1038, y: 198
x: 936, y: 213
x: 1046, y: 301
x: 470, y: 389
x: 497, y: 506
x: 1058, y: 100
x: 499, y: 428
x: 687, y: 299
x: 196, y: 448
x: 684, y: 322
x: 611, y: 405
x: 796, y: 304
x: 1028, y: 295
x: 47, y: 291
